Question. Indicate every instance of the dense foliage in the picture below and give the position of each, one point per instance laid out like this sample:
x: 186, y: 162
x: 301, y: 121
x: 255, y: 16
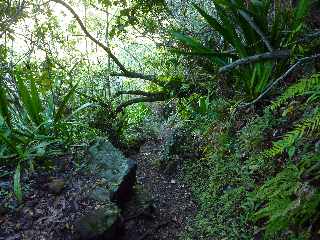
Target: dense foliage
x: 235, y: 104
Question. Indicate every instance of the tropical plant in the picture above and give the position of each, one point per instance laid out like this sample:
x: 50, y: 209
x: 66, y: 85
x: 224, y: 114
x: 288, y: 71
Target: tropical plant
x: 244, y: 31
x: 30, y: 125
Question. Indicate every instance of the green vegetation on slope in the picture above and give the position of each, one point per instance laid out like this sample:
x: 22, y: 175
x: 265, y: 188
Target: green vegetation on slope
x: 232, y: 88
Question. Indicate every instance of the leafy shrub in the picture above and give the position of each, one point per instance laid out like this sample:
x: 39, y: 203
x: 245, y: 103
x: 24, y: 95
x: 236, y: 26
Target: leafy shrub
x: 245, y: 31
x: 31, y: 127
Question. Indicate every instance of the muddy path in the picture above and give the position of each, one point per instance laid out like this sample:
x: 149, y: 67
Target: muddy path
x: 162, y: 206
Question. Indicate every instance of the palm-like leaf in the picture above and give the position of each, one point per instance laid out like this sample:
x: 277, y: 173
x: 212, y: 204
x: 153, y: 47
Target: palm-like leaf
x: 4, y: 109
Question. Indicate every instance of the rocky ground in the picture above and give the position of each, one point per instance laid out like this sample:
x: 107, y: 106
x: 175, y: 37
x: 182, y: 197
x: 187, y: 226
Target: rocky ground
x: 51, y: 206
x: 165, y: 201
x: 53, y: 203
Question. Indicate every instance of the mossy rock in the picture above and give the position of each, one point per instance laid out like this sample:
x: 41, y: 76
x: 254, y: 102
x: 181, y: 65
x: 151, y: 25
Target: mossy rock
x: 110, y: 164
x: 117, y: 176
x: 102, y: 223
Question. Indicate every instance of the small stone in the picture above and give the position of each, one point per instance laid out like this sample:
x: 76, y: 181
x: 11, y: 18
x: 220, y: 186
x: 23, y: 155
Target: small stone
x: 102, y: 223
x: 3, y: 210
x: 5, y: 185
x: 56, y: 186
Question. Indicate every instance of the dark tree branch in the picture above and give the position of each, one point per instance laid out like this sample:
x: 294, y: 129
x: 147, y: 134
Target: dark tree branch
x: 151, y: 78
x: 309, y: 37
x: 160, y: 97
x: 124, y: 70
x: 281, y: 54
x: 136, y: 92
x: 282, y: 77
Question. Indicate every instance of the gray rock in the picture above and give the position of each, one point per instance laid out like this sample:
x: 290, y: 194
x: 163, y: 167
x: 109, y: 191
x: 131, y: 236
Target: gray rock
x: 56, y: 186
x: 118, y: 171
x: 100, y: 194
x: 102, y: 223
x: 117, y: 176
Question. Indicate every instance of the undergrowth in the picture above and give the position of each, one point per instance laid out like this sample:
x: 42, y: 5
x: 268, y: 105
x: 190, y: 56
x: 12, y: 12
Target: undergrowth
x: 259, y: 175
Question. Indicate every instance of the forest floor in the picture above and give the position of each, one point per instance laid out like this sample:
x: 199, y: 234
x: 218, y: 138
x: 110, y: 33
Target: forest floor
x: 166, y: 205
x: 161, y: 208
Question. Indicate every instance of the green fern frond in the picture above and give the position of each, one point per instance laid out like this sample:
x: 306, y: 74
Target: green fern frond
x: 303, y: 87
x: 287, y: 200
x: 306, y: 127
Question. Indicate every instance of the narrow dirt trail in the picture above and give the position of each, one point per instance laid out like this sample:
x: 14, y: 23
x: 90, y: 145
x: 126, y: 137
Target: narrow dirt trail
x: 168, y: 206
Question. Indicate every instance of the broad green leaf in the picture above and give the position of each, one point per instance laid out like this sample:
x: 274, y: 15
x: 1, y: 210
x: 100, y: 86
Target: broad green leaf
x: 301, y: 12
x: 189, y: 41
x: 27, y: 102
x: 226, y: 33
x: 36, y: 101
x: 79, y: 109
x: 256, y: 28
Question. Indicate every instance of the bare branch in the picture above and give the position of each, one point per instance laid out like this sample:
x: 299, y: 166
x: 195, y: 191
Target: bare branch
x: 86, y: 32
x: 281, y: 54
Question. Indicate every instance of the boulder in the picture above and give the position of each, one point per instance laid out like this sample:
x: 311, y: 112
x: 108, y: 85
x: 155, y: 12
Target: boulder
x: 119, y: 173
x: 56, y: 186
x: 117, y: 176
x: 103, y: 223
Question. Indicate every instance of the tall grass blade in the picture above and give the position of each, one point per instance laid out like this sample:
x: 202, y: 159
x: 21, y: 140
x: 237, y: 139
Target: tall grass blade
x: 4, y: 105
x: 59, y: 114
x: 17, y: 184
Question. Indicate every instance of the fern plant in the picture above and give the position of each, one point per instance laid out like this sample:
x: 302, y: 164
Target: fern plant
x: 306, y: 87
x: 287, y: 201
x: 291, y: 199
x: 308, y: 126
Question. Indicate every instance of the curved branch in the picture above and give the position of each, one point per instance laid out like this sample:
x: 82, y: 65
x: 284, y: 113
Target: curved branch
x: 151, y: 78
x: 122, y: 106
x: 124, y: 70
x: 86, y: 32
x: 136, y: 92
x: 290, y: 70
x: 281, y: 54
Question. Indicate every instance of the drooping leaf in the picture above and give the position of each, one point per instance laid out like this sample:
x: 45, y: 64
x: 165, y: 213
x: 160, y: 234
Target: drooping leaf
x: 4, y: 109
x: 61, y: 109
x: 226, y: 32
